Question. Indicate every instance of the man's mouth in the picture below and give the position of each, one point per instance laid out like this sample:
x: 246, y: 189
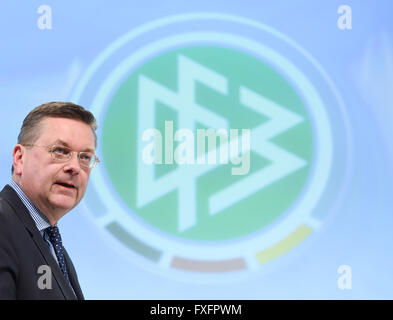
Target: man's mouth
x: 66, y: 185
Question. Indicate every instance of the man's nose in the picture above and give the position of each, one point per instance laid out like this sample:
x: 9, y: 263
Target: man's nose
x: 73, y: 166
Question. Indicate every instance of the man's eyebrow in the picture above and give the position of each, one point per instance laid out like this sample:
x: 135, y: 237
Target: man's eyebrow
x: 58, y: 141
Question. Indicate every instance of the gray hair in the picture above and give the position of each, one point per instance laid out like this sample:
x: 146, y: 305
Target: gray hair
x: 30, y: 129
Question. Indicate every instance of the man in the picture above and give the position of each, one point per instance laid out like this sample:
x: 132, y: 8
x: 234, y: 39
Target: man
x: 51, y: 166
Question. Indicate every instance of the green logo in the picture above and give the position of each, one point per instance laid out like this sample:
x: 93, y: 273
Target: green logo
x: 216, y: 148
x: 201, y: 87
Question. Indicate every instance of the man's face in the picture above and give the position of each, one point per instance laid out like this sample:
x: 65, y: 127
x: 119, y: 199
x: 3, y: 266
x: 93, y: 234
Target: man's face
x: 55, y: 187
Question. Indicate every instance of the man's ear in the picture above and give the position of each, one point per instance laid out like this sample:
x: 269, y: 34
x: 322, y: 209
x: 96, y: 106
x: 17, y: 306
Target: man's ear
x: 17, y: 159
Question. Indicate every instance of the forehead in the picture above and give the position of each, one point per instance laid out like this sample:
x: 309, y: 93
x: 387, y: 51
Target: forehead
x: 75, y: 133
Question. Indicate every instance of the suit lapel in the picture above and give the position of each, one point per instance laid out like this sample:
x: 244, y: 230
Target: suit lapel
x: 50, y: 260
x: 23, y: 214
x: 73, y: 277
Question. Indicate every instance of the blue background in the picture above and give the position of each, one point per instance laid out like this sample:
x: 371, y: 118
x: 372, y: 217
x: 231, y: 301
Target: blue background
x: 37, y: 66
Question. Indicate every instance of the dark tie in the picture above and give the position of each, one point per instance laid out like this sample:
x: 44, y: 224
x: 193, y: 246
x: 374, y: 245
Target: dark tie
x: 55, y: 239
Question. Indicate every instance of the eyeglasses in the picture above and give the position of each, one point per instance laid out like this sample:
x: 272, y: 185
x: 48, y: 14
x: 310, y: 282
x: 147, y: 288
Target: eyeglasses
x: 63, y: 154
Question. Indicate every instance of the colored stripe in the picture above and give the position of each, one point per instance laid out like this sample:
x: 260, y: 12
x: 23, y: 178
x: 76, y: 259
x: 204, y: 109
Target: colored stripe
x: 284, y: 245
x: 208, y: 266
x: 133, y: 243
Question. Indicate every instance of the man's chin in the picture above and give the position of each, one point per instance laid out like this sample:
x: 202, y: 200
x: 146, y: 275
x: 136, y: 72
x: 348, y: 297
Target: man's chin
x: 63, y: 203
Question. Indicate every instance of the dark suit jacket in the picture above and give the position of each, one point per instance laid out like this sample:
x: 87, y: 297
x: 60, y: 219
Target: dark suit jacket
x: 23, y: 250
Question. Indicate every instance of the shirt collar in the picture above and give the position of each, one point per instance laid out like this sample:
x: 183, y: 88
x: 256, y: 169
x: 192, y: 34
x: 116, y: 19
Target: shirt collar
x: 40, y: 220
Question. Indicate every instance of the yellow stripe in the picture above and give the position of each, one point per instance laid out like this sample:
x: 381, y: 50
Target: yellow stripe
x: 284, y: 245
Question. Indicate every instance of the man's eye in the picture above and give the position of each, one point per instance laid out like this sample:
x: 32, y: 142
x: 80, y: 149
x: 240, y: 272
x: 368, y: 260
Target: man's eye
x: 86, y: 157
x: 61, y: 150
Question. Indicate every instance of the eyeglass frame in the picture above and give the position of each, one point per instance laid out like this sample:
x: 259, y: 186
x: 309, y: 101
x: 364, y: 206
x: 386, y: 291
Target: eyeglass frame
x: 51, y: 151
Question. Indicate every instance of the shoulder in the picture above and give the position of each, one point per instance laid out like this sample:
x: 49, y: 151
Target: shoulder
x: 8, y: 235
x: 15, y: 221
x: 8, y: 217
x: 6, y: 210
